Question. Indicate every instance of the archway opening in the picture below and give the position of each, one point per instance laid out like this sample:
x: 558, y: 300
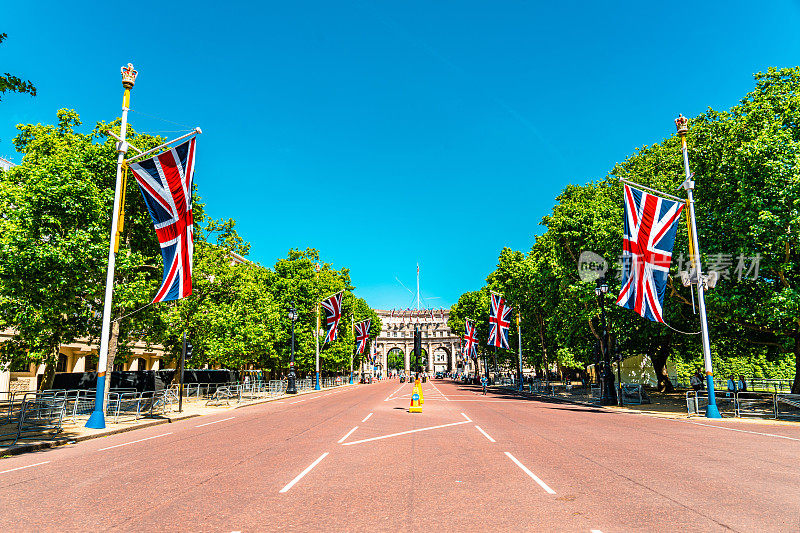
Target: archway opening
x: 419, y: 365
x: 395, y: 359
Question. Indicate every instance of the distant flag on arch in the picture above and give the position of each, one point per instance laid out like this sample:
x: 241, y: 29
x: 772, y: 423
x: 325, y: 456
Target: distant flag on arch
x: 333, y: 313
x: 362, y: 334
x: 166, y: 185
x: 498, y: 321
x: 650, y: 226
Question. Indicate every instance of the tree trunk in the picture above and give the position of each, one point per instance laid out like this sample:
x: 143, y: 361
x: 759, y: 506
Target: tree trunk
x: 113, y: 343
x: 48, y: 377
x: 658, y: 357
x: 796, y: 383
x: 50, y: 370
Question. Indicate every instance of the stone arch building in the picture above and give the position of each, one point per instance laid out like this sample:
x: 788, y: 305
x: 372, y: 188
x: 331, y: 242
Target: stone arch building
x: 441, y: 345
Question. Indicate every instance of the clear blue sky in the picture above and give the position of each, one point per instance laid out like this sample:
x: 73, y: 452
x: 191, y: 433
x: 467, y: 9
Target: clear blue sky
x: 390, y: 133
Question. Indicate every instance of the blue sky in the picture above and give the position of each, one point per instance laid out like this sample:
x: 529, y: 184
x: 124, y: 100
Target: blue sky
x: 390, y: 133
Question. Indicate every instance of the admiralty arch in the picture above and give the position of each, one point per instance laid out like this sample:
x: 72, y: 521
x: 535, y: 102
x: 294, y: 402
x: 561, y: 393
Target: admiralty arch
x: 438, y: 342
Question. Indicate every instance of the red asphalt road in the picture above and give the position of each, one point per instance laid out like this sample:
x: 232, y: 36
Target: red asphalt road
x: 590, y: 470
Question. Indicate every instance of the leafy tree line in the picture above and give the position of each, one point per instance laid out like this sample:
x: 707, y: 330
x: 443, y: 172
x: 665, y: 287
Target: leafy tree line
x: 747, y: 198
x: 56, y: 208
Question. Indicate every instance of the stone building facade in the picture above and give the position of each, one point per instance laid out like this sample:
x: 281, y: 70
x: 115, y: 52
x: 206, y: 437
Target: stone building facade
x: 440, y: 345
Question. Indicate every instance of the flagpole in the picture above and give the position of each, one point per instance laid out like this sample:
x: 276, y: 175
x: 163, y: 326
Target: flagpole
x: 352, y: 353
x: 97, y: 418
x: 316, y: 338
x: 712, y: 411
x: 519, y: 342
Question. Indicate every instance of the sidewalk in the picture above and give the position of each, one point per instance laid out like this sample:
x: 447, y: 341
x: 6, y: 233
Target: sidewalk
x: 664, y: 405
x: 76, y: 432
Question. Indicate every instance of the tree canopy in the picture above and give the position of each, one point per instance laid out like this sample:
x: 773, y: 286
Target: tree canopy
x: 747, y: 203
x: 54, y: 242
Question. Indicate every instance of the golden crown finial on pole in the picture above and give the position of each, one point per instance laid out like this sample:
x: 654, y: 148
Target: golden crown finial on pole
x: 128, y: 76
x: 682, y: 123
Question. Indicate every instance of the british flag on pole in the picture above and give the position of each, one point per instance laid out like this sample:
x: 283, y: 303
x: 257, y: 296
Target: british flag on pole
x: 470, y: 346
x: 498, y: 321
x: 166, y: 185
x: 362, y: 334
x: 333, y: 313
x: 650, y: 226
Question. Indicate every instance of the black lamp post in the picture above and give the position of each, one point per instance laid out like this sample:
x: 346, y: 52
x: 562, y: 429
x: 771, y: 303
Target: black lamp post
x: 607, y: 396
x: 290, y: 386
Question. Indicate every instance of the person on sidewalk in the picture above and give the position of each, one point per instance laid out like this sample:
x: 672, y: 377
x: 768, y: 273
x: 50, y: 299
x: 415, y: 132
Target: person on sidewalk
x: 484, y: 382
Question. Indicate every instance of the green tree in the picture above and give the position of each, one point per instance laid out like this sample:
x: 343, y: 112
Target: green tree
x: 14, y: 84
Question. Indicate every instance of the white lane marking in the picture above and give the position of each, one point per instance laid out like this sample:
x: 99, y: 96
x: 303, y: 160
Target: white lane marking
x: 133, y: 442
x: 298, y: 401
x: 743, y: 430
x: 348, y: 434
x: 23, y: 467
x: 215, y: 422
x: 366, y: 418
x: 440, y: 392
x: 533, y: 476
x: 485, y: 434
x: 392, y: 394
x: 595, y: 531
x: 465, y: 416
x: 303, y: 473
x: 403, y: 433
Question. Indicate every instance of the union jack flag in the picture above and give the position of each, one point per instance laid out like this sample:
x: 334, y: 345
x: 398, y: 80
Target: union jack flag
x: 333, y: 312
x: 470, y: 346
x: 498, y: 321
x: 166, y: 185
x: 650, y: 226
x: 373, y: 353
x: 362, y: 334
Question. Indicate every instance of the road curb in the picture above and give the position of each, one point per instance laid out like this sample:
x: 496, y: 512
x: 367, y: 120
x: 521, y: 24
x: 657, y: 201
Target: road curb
x: 610, y: 409
x: 267, y: 400
x: 19, y: 449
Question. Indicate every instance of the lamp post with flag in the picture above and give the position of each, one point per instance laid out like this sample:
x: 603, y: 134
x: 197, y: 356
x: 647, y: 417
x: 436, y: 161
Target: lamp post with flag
x: 712, y: 411
x: 607, y: 396
x: 97, y: 418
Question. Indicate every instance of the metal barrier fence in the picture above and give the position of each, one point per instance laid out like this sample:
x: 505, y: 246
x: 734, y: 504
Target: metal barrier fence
x: 38, y: 412
x: 27, y: 413
x: 632, y: 393
x: 250, y: 390
x: 747, y: 404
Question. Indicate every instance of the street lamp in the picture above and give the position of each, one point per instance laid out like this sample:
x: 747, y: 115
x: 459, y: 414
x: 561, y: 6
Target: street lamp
x: 607, y: 396
x: 290, y: 386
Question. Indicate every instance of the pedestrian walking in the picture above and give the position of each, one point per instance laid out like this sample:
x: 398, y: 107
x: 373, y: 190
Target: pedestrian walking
x: 484, y: 382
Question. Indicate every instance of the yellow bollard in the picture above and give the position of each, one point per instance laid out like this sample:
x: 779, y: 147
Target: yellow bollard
x: 418, y: 386
x: 415, y: 403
